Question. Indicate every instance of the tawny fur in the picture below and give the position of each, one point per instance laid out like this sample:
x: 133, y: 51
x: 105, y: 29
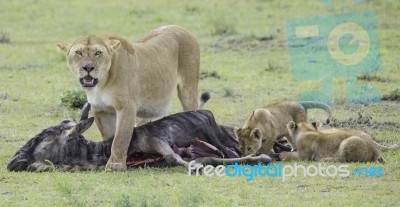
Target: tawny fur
x: 335, y: 145
x: 266, y: 125
x: 136, y: 81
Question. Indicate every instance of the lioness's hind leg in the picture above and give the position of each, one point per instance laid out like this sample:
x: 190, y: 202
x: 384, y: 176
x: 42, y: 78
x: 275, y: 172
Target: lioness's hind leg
x: 188, y: 72
x: 187, y: 94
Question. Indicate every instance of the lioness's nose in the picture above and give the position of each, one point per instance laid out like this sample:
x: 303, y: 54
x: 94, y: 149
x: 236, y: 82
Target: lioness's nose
x: 88, y: 67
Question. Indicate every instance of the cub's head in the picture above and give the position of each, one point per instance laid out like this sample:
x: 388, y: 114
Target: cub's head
x: 250, y: 140
x: 294, y: 128
x: 89, y: 58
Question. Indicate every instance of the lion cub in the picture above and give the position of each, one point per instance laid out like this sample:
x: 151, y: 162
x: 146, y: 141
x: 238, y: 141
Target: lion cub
x: 266, y: 125
x: 332, y: 145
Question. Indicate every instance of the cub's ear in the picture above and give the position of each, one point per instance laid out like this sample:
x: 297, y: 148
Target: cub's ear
x: 80, y: 127
x: 64, y: 47
x: 316, y: 125
x: 113, y: 43
x: 291, y: 126
x: 256, y: 133
x: 237, y: 131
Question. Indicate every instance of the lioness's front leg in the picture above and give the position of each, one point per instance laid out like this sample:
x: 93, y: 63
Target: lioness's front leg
x: 126, y: 118
x: 106, y: 122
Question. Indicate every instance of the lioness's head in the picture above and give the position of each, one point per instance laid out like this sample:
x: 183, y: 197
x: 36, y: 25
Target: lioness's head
x: 250, y: 140
x: 89, y: 58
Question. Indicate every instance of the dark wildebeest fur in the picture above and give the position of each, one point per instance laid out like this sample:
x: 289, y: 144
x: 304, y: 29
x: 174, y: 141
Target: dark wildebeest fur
x: 64, y: 147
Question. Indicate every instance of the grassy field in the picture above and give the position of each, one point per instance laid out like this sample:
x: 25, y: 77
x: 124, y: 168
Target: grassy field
x: 245, y: 63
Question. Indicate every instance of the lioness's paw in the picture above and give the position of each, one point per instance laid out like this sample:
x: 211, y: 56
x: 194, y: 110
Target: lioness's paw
x: 115, y: 166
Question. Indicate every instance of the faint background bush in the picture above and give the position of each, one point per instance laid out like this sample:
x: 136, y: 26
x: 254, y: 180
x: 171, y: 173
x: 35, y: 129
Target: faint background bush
x: 222, y: 25
x: 4, y: 38
x: 74, y: 98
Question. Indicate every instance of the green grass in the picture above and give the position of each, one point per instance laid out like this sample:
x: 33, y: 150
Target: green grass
x: 252, y: 72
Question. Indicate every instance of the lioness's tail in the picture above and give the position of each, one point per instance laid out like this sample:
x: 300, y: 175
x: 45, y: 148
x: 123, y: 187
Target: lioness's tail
x: 318, y: 105
x: 385, y: 148
x: 203, y: 99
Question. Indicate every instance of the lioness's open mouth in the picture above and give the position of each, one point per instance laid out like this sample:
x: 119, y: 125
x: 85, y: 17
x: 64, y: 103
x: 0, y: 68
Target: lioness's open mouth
x: 88, y: 81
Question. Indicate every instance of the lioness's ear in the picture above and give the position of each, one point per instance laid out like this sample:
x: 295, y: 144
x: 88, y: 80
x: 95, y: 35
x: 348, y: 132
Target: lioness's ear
x: 113, y: 43
x: 316, y: 125
x: 64, y: 47
x: 256, y: 133
x: 80, y: 127
x: 291, y: 125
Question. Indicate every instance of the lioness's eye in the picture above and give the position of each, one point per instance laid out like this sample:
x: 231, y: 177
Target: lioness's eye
x: 97, y: 53
x: 78, y: 52
x: 249, y: 148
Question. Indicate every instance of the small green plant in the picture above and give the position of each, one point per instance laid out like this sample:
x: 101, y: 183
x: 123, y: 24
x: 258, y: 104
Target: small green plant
x: 124, y: 201
x: 190, y: 198
x: 228, y: 92
x: 5, y: 38
x: 68, y: 191
x: 65, y: 188
x: 363, y: 119
x: 271, y: 67
x: 206, y: 74
x: 139, y: 199
x: 53, y: 167
x: 368, y: 77
x: 191, y: 9
x: 74, y: 98
x: 222, y: 25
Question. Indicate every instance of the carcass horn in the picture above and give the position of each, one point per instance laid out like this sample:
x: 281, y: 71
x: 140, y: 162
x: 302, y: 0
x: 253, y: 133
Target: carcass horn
x: 85, y: 111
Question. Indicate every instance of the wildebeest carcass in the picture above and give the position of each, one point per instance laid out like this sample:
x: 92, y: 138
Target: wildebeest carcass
x: 64, y: 147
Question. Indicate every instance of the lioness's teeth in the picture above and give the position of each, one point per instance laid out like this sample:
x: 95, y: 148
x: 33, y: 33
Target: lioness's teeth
x: 88, y: 81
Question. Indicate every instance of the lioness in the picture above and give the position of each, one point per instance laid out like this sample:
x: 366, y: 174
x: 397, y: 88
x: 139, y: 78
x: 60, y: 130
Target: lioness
x: 332, y: 145
x: 266, y: 125
x: 124, y: 80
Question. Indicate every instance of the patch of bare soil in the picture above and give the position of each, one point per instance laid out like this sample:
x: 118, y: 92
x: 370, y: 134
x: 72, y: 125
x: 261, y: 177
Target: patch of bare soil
x: 392, y: 96
x: 207, y: 74
x: 248, y: 43
x: 375, y: 78
x: 364, y: 123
